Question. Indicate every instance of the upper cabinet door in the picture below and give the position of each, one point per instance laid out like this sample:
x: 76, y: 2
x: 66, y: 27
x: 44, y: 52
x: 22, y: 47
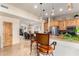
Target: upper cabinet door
x: 77, y: 22
x: 61, y: 25
x: 54, y: 23
x: 71, y: 22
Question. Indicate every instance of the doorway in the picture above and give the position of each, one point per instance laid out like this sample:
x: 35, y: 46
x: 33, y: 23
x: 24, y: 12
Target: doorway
x: 7, y: 36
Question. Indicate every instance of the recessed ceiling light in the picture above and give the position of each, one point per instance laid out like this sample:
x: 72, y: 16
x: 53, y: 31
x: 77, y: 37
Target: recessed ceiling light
x: 46, y: 14
x: 35, y: 6
x: 60, y: 9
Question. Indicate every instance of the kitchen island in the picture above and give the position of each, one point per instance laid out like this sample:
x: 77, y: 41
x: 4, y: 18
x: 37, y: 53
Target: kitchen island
x: 65, y: 47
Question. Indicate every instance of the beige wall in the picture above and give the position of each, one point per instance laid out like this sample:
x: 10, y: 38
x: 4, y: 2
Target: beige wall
x: 15, y: 27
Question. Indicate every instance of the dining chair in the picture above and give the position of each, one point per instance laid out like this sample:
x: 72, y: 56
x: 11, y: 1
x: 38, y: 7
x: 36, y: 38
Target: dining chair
x: 43, y: 45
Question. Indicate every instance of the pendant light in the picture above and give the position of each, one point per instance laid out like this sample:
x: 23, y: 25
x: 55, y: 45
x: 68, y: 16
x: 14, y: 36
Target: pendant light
x: 69, y: 6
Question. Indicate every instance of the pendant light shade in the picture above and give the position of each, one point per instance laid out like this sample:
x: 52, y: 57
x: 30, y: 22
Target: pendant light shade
x: 69, y: 6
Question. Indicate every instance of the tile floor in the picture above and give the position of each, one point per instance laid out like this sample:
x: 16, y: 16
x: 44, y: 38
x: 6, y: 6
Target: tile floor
x: 23, y: 49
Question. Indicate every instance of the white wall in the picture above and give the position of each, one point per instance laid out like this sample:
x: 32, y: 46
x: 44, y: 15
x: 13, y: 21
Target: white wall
x: 35, y: 26
x: 15, y: 30
x: 25, y: 26
x: 21, y: 14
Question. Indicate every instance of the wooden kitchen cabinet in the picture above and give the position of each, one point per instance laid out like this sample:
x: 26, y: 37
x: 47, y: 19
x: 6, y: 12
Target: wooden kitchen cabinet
x: 54, y: 23
x: 71, y: 22
x: 77, y: 22
x: 62, y: 25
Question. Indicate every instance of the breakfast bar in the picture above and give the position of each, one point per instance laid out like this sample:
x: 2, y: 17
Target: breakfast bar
x: 66, y: 48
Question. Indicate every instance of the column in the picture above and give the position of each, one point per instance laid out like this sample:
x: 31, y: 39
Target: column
x: 48, y: 24
x: 42, y: 26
